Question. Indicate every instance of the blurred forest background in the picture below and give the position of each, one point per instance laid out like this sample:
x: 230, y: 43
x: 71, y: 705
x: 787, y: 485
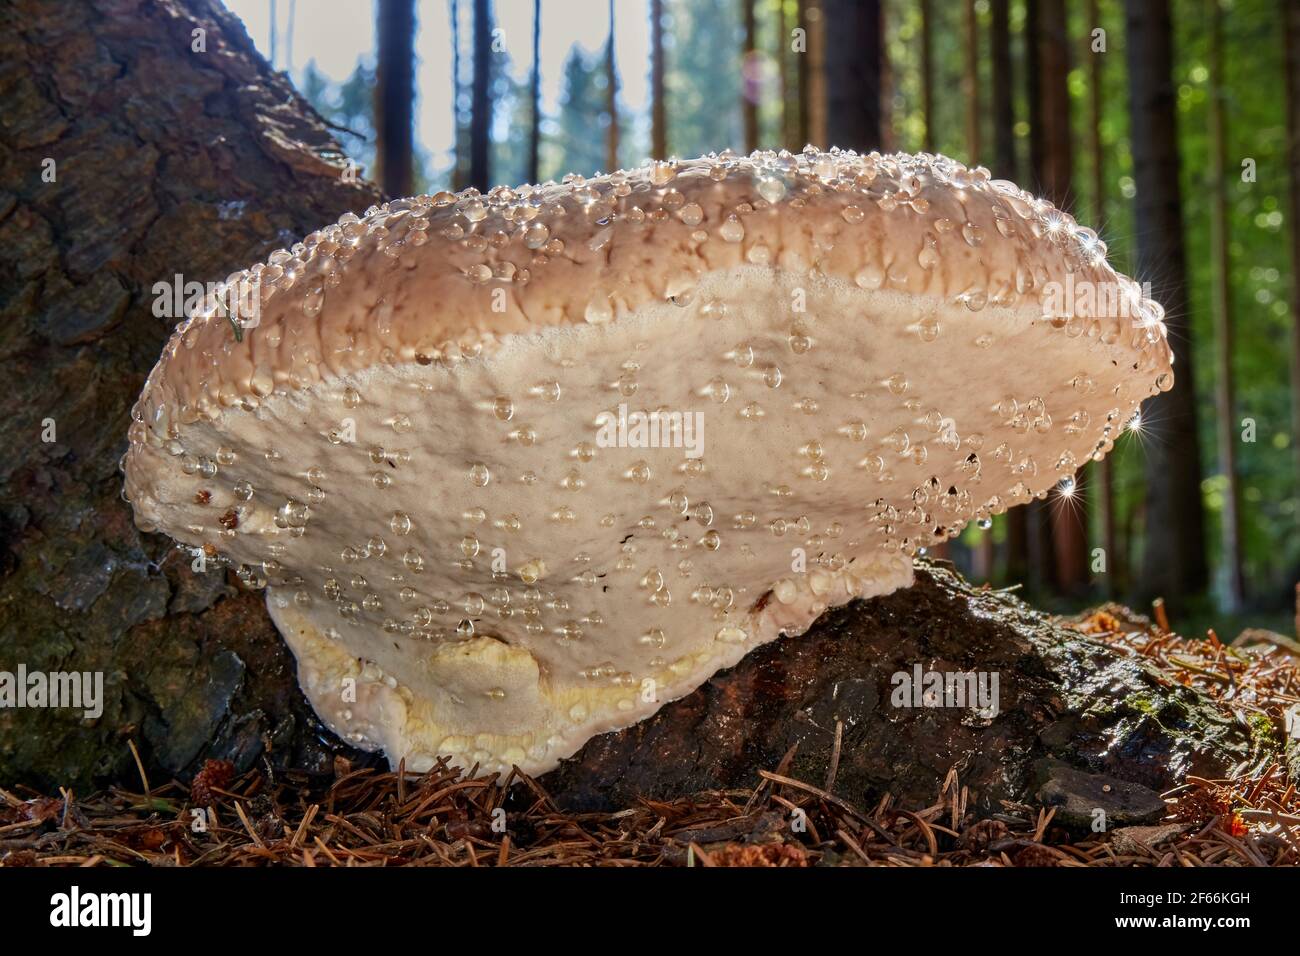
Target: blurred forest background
x: 1172, y: 126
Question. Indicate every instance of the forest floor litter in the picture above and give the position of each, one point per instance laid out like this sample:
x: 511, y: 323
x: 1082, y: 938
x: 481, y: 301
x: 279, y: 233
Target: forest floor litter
x: 370, y: 817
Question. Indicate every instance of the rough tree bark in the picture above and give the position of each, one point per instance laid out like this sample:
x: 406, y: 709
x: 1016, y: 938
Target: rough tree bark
x: 172, y: 153
x: 1173, y: 557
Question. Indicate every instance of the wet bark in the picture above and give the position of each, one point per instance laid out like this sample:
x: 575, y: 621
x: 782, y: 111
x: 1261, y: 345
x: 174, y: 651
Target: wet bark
x: 1071, y: 713
x: 165, y: 152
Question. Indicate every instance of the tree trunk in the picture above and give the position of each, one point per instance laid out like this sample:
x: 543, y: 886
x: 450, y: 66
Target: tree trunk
x: 658, y: 113
x: 1103, y: 490
x: 1173, y: 560
x: 815, y: 16
x: 1221, y: 297
x: 854, y: 45
x: 1291, y: 40
x: 1054, y: 162
x: 1067, y: 522
x: 611, y: 97
x: 535, y: 95
x: 1004, y: 110
x: 213, y: 174
x: 395, y: 97
x: 460, y: 168
x: 749, y: 85
x: 927, y: 73
x: 480, y: 119
x: 971, y: 85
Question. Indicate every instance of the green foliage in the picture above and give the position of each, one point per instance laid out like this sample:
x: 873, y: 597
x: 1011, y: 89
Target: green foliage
x: 583, y: 123
x: 703, y: 81
x: 1258, y: 277
x: 350, y: 107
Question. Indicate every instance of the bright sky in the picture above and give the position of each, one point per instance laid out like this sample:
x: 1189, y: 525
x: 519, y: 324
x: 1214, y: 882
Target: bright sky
x: 338, y: 33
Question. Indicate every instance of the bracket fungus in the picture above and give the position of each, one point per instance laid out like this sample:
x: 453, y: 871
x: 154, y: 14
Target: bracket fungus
x: 517, y: 468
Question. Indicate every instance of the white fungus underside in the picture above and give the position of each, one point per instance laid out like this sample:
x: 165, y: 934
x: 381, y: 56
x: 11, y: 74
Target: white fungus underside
x: 511, y: 695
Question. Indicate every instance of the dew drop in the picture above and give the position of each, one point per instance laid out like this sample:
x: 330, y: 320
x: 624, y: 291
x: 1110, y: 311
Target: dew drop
x: 870, y: 277
x: 599, y: 310
x: 547, y: 391
x: 478, y: 274
x: 536, y: 235
x: 771, y: 188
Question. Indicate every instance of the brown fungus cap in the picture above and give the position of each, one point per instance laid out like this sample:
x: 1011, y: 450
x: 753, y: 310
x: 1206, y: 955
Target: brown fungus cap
x: 517, y: 468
